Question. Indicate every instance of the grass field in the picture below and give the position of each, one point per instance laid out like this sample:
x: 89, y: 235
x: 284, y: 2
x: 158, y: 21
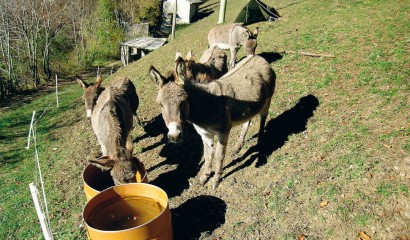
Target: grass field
x: 338, y: 132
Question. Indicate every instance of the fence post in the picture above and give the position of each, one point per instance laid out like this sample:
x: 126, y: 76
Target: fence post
x: 41, y: 216
x: 57, y: 89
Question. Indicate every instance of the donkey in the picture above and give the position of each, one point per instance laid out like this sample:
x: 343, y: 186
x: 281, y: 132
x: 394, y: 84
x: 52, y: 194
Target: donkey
x: 93, y: 91
x: 111, y: 112
x: 233, y: 36
x: 213, y: 65
x: 112, y: 122
x: 216, y: 107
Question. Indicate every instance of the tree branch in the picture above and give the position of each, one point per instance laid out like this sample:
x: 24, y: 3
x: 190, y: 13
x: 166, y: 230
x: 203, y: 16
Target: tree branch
x: 309, y: 54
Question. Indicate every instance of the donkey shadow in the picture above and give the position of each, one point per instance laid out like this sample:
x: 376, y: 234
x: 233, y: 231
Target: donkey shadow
x: 186, y: 156
x: 271, y: 56
x: 198, y: 217
x: 153, y: 128
x: 277, y: 132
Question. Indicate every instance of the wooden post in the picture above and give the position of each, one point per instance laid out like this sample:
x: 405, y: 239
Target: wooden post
x: 122, y: 55
x: 222, y: 10
x: 57, y: 89
x: 174, y: 20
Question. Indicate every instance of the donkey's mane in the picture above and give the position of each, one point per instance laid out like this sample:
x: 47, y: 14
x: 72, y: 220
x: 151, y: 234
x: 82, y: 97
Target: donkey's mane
x: 115, y: 105
x: 238, y: 66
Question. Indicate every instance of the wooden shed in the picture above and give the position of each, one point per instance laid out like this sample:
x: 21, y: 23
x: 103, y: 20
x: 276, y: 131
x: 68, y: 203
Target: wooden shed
x: 139, y: 47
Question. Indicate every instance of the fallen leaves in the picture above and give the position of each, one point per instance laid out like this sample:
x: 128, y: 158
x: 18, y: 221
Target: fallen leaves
x: 324, y: 203
x: 302, y: 237
x: 363, y: 236
x: 387, y: 146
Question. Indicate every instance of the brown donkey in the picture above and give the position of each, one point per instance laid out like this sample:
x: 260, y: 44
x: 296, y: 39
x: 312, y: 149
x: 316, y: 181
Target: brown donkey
x: 216, y: 107
x: 93, y: 91
x: 212, y: 65
x: 112, y: 121
x: 233, y: 36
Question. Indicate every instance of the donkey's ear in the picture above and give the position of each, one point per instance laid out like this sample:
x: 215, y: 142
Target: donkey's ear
x: 105, y: 163
x: 83, y: 84
x: 156, y: 77
x: 98, y: 81
x: 255, y: 32
x: 177, y: 55
x: 189, y: 56
x: 180, y: 71
x: 246, y: 34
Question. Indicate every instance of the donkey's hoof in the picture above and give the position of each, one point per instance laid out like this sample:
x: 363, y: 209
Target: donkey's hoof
x: 216, y: 184
x: 236, y: 152
x: 203, y: 179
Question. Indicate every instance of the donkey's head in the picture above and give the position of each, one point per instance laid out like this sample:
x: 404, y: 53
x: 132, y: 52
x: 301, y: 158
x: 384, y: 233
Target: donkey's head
x: 251, y: 43
x: 122, y: 171
x: 91, y: 93
x: 212, y: 65
x: 172, y: 98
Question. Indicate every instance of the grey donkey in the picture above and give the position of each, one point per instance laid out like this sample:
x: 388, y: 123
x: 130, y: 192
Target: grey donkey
x: 233, y: 36
x: 111, y: 112
x: 216, y: 107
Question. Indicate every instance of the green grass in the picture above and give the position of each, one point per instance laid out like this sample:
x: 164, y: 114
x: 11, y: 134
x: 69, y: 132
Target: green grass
x: 352, y: 151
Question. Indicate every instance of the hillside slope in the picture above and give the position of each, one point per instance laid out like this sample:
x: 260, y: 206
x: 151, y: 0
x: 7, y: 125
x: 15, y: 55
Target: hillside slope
x: 337, y: 136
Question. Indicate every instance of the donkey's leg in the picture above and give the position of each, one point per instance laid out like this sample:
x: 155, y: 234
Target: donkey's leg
x: 233, y: 56
x: 263, y: 115
x: 241, y: 138
x: 208, y: 142
x: 135, y: 120
x: 129, y: 147
x: 219, y: 157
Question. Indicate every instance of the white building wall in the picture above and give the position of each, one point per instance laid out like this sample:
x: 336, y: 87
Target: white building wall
x: 185, y: 10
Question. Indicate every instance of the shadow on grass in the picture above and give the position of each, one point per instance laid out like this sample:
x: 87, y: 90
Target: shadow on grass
x: 10, y: 157
x: 203, y: 14
x: 153, y: 128
x: 186, y: 156
x: 277, y: 132
x: 271, y: 56
x: 211, y: 6
x: 198, y: 216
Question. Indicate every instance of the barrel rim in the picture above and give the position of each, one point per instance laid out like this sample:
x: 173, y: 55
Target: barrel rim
x: 164, y: 211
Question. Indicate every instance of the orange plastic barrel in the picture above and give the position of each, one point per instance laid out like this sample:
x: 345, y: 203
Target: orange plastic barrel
x: 96, y: 180
x: 129, y: 211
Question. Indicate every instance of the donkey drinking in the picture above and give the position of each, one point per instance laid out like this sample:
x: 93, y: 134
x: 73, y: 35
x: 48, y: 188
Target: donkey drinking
x: 216, y: 107
x: 112, y: 120
x: 233, y: 36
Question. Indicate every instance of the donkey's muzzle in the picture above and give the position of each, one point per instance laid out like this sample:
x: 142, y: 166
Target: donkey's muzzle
x: 175, y: 139
x: 174, y: 132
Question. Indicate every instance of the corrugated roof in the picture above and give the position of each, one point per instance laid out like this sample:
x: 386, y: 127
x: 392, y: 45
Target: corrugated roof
x: 148, y: 43
x: 195, y: 1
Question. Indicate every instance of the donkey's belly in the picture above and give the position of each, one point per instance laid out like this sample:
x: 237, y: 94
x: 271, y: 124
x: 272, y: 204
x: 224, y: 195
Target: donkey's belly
x: 223, y: 45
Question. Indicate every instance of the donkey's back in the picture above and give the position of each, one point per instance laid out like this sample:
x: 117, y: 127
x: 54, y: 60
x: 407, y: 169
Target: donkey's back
x: 126, y: 85
x: 112, y: 121
x: 252, y: 71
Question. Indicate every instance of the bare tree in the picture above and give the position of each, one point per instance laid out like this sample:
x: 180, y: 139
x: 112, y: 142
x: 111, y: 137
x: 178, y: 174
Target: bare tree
x: 52, y: 21
x: 7, y: 83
